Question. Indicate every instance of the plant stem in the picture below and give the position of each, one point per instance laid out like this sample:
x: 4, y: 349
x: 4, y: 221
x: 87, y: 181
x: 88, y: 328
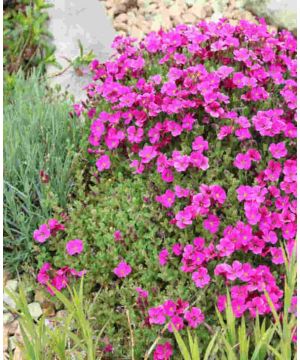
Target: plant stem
x: 131, y: 334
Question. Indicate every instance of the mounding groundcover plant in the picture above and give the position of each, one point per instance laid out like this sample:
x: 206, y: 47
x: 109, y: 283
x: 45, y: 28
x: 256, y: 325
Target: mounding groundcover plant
x: 190, y: 187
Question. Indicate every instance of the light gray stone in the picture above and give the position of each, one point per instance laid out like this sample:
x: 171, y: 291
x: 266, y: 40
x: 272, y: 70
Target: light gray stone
x: 12, y: 285
x: 12, y: 341
x: 35, y: 310
x: 71, y: 21
x: 281, y: 13
x: 8, y: 303
x: 7, y: 318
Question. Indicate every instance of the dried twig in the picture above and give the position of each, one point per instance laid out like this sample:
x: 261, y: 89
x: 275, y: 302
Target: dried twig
x: 148, y: 353
x: 131, y: 334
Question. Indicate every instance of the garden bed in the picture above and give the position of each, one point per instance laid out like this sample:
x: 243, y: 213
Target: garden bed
x: 157, y: 217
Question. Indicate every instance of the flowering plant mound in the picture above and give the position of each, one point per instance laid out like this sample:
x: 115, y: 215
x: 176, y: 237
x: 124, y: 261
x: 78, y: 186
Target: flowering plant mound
x: 207, y: 114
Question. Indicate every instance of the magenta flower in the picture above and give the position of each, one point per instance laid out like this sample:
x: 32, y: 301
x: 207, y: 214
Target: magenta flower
x: 157, y: 315
x: 170, y: 307
x: 221, y: 303
x: 142, y: 293
x: 163, y: 257
x: 201, y: 277
x: 242, y: 162
x: 194, y: 317
x: 277, y: 256
x: 118, y: 235
x: 211, y: 223
x: 43, y: 276
x: 238, y: 307
x: 167, y: 199
x: 163, y: 351
x: 177, y: 322
x: 74, y: 247
x: 42, y: 233
x: 180, y: 162
x: 103, y: 163
x: 122, y: 270
x: 278, y: 150
x: 147, y: 154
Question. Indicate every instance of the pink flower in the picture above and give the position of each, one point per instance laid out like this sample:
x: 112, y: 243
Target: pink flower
x: 103, y: 163
x: 198, y: 160
x: 163, y: 351
x: 169, y: 307
x: 74, y: 247
x: 59, y: 282
x: 122, y: 270
x: 242, y: 162
x: 201, y: 277
x: 42, y: 233
x: 43, y: 276
x: 157, y: 315
x: 194, y: 317
x: 177, y: 249
x: 163, y: 257
x: 254, y: 155
x: 221, y: 303
x: 181, y: 162
x: 142, y: 293
x: 147, y: 154
x: 270, y: 237
x: 181, y: 192
x: 277, y: 256
x: 211, y: 223
x: 118, y: 235
x: 54, y: 226
x: 183, y: 218
x: 278, y: 150
x: 177, y: 322
x: 167, y: 199
x: 244, y: 192
x: 218, y: 194
x: 238, y: 307
x: 199, y: 144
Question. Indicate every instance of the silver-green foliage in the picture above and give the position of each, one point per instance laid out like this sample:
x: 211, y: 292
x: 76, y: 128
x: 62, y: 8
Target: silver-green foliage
x: 38, y: 135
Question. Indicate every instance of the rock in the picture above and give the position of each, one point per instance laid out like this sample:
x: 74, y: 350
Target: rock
x: 136, y: 32
x: 61, y: 314
x: 122, y: 33
x: 8, y: 318
x: 161, y: 21
x: 35, y: 310
x: 18, y: 334
x: 175, y: 11
x: 122, y: 18
x: 131, y: 17
x: 12, y: 342
x: 48, y: 308
x: 12, y: 285
x: 198, y: 10
x: 281, y: 13
x: 5, y: 339
x: 150, y: 9
x: 40, y: 296
x: 189, y: 18
x: 120, y: 26
x: 18, y: 354
x: 240, y: 15
x: 7, y: 300
x: 12, y: 327
x: 71, y: 21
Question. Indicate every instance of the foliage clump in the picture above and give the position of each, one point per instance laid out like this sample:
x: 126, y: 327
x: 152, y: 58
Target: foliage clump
x: 190, y: 182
